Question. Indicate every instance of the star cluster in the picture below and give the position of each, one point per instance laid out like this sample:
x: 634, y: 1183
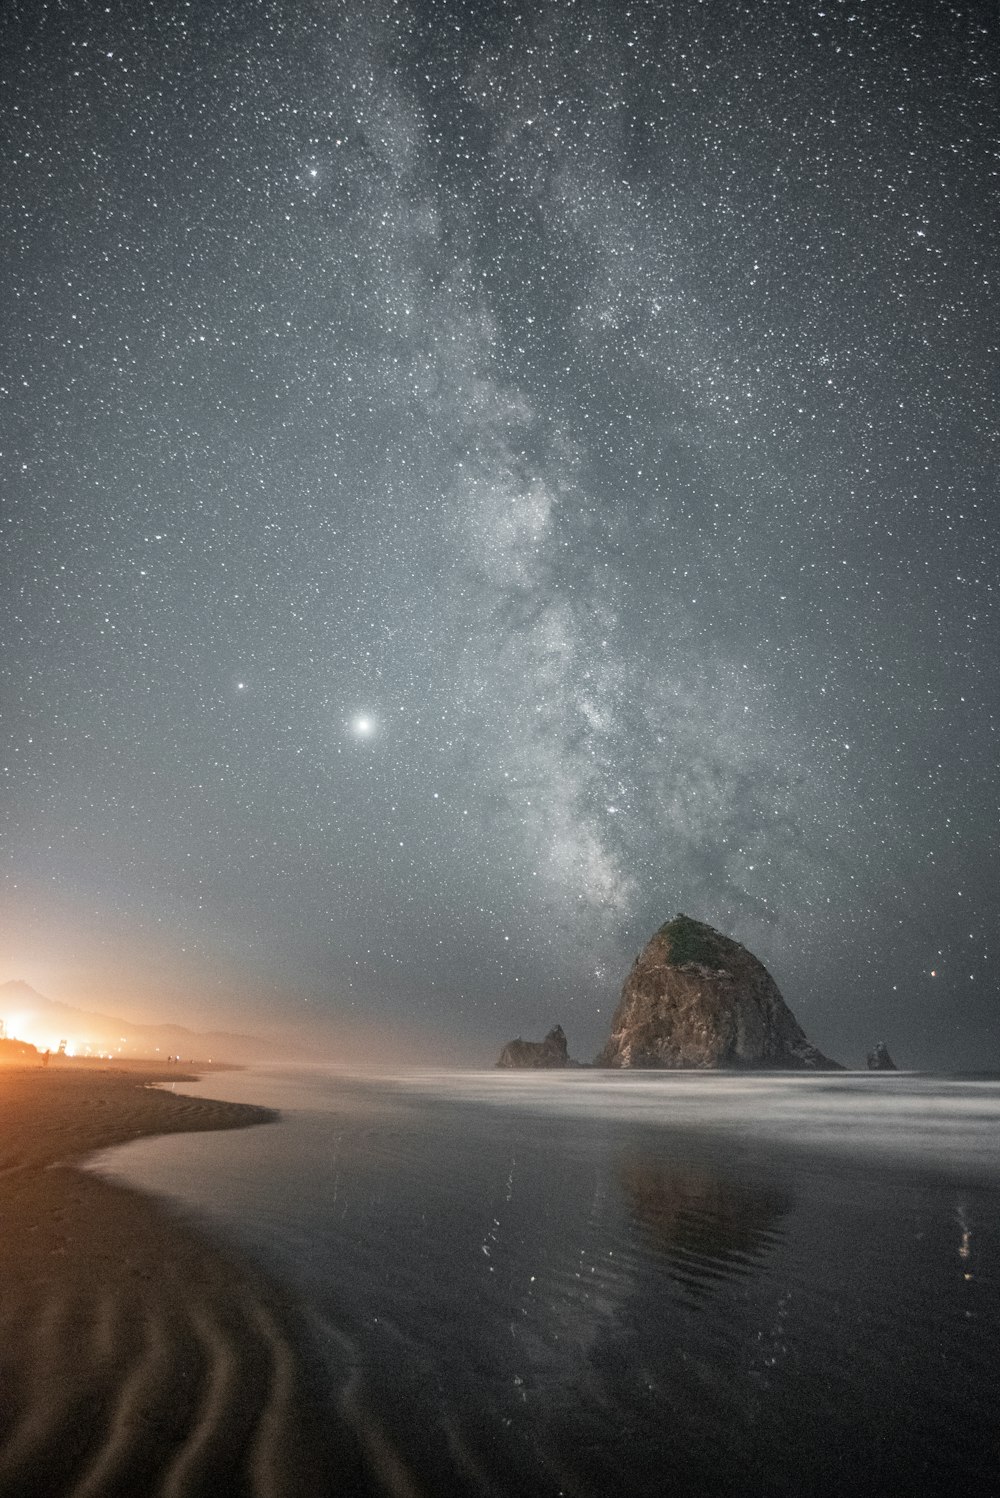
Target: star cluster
x: 481, y: 478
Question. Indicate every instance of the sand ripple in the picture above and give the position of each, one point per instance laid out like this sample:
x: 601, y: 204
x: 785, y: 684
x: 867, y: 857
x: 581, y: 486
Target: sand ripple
x: 135, y: 1358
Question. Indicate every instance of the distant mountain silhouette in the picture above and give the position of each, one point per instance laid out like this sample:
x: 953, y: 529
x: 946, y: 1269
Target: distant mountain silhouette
x: 49, y: 1021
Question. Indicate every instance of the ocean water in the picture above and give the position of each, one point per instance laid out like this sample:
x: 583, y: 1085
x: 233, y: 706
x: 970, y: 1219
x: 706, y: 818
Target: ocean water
x: 596, y: 1283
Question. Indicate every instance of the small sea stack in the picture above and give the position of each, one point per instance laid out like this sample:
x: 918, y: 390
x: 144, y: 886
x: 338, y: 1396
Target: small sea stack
x: 879, y: 1058
x: 698, y: 999
x: 535, y: 1055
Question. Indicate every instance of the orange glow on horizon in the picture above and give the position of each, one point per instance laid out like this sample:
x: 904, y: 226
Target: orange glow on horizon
x: 17, y: 1028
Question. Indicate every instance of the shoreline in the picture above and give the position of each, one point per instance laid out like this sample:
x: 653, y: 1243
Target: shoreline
x: 136, y: 1355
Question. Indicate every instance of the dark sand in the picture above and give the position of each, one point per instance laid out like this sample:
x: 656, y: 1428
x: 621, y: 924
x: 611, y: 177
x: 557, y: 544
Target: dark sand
x: 137, y: 1358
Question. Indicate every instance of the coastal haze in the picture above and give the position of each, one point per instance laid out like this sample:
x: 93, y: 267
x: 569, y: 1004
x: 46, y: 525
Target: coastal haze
x: 480, y: 479
x: 27, y: 1016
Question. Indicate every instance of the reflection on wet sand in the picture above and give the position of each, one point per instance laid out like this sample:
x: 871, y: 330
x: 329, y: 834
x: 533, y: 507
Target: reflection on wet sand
x: 707, y: 1224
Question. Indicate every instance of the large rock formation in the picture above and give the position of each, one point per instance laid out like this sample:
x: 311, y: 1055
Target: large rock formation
x: 879, y: 1059
x: 695, y: 998
x: 550, y: 1052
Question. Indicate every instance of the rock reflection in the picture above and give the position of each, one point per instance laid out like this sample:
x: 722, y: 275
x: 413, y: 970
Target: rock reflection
x: 708, y: 1223
x: 965, y: 1240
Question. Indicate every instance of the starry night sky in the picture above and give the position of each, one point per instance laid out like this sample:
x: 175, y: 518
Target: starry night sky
x: 480, y: 478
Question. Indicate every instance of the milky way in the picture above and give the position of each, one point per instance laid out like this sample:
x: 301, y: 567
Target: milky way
x: 481, y: 478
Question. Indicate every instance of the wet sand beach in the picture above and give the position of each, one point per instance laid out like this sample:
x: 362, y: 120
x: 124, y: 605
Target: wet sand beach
x: 136, y: 1357
x: 592, y: 1283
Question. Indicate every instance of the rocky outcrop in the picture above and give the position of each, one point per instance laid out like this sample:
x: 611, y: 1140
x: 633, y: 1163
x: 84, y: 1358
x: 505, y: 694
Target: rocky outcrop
x: 879, y: 1058
x: 16, y: 1050
x: 696, y: 998
x: 537, y: 1054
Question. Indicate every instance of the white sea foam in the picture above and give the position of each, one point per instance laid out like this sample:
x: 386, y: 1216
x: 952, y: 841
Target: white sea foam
x: 944, y: 1119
